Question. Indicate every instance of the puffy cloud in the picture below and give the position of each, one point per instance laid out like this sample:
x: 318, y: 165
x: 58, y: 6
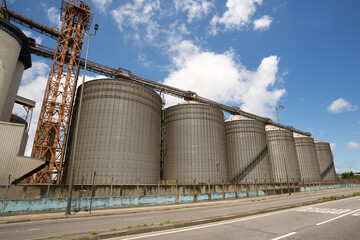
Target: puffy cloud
x: 196, y: 9
x: 221, y: 78
x: 139, y: 17
x: 102, y: 4
x: 53, y: 16
x: 262, y: 23
x: 29, y: 34
x: 353, y: 145
x: 32, y: 86
x: 332, y: 145
x: 237, y: 15
x: 341, y: 105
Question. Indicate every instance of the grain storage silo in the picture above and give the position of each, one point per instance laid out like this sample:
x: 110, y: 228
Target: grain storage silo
x: 282, y: 155
x: 119, y: 134
x: 195, y: 149
x: 14, y: 58
x: 326, y: 162
x: 247, y: 150
x: 308, y: 162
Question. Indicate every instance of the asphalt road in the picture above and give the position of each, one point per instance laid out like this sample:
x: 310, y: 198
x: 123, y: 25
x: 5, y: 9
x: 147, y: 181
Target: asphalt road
x: 331, y: 220
x: 57, y: 227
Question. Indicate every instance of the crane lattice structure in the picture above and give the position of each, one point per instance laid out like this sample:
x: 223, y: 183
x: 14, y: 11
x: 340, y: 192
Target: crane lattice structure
x: 51, y: 133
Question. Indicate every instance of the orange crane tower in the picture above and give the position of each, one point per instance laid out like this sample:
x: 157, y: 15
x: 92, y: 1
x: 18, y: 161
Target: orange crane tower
x: 51, y: 133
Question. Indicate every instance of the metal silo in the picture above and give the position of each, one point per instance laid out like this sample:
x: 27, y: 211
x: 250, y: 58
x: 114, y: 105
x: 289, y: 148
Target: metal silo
x: 195, y: 149
x: 14, y: 58
x: 247, y: 150
x: 282, y: 154
x: 326, y: 162
x: 308, y: 162
x: 119, y: 134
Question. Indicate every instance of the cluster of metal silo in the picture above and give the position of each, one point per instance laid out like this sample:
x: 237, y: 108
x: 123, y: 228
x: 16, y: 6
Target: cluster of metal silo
x: 120, y: 139
x: 247, y: 150
x: 195, y: 148
x: 119, y: 134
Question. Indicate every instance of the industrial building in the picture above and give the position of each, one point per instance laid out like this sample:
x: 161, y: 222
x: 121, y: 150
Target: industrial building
x: 125, y: 136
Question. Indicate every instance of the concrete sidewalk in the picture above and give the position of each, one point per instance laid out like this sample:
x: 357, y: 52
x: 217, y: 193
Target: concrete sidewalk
x: 4, y: 219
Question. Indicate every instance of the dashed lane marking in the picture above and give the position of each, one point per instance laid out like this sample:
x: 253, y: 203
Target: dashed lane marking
x: 338, y: 217
x: 284, y: 236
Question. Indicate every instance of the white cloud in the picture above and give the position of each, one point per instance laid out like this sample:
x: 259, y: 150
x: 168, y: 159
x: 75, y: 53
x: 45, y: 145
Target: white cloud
x: 341, y: 105
x: 196, y: 9
x: 220, y: 77
x: 237, y: 16
x: 29, y: 34
x: 139, y: 17
x: 53, y: 15
x: 102, y: 4
x: 353, y: 145
x: 332, y: 145
x: 32, y: 86
x: 262, y: 23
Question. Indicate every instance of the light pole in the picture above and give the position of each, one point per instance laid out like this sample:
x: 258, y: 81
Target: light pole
x: 286, y: 171
x: 277, y: 113
x: 68, y: 206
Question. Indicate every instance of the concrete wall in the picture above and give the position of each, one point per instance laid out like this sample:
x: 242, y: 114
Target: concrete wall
x: 83, y: 203
x: 32, y: 191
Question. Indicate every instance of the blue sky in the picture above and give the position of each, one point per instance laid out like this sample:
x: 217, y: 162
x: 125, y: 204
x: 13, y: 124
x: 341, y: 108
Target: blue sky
x: 255, y: 54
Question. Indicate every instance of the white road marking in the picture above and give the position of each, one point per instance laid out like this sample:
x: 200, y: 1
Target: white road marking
x: 324, y: 210
x: 205, y: 226
x: 337, y: 217
x: 284, y: 236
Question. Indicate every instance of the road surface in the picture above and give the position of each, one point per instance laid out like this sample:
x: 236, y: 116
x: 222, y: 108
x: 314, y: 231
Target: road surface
x: 331, y: 220
x: 57, y: 227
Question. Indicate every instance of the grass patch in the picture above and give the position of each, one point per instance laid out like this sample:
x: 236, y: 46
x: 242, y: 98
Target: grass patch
x: 113, y: 229
x: 145, y: 224
x: 152, y: 224
x: 356, y: 193
x: 334, y: 197
x: 129, y: 226
x: 161, y: 224
x: 94, y: 233
x: 139, y: 225
x: 168, y: 222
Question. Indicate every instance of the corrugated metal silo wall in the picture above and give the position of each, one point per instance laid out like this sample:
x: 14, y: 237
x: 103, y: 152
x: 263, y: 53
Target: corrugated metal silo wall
x: 308, y: 162
x: 282, y: 155
x: 325, y: 159
x: 195, y: 144
x: 119, y: 134
x: 245, y: 139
